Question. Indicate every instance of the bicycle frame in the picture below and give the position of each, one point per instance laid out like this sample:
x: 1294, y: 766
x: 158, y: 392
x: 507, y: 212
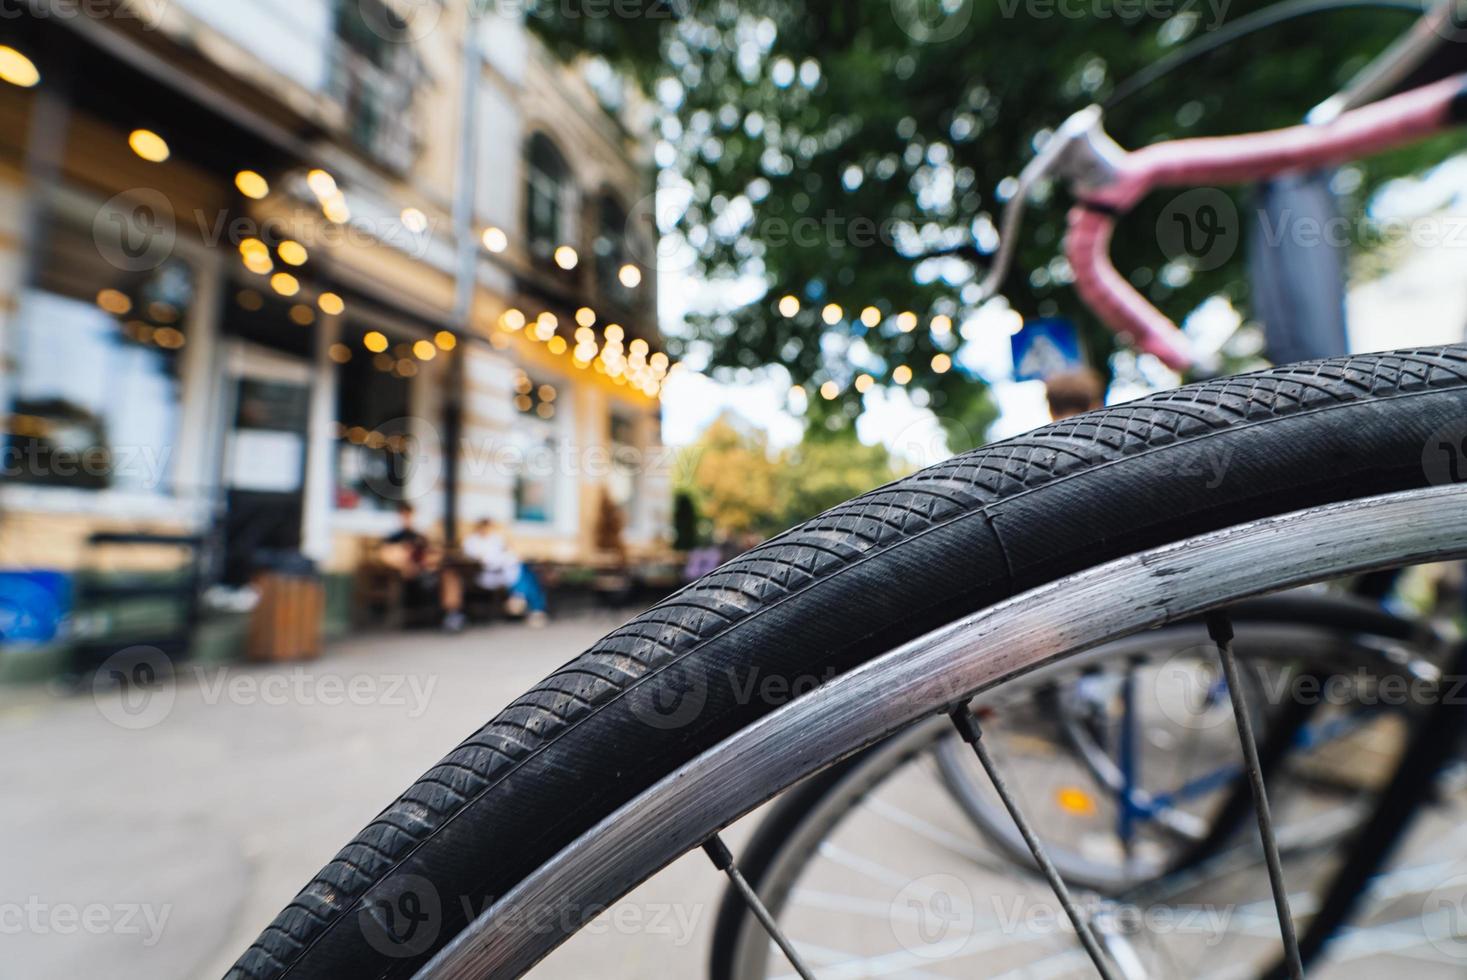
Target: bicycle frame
x: 1108, y: 181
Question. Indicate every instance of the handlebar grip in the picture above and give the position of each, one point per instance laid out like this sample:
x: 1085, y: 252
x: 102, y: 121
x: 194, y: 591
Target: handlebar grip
x: 1114, y: 300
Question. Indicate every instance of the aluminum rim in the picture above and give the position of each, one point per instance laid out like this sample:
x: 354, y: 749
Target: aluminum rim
x: 932, y: 673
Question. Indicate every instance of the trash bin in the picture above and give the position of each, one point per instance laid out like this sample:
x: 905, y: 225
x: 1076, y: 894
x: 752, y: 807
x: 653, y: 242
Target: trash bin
x: 287, y: 621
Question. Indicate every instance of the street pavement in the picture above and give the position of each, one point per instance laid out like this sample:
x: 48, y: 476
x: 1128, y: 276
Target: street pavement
x: 154, y: 838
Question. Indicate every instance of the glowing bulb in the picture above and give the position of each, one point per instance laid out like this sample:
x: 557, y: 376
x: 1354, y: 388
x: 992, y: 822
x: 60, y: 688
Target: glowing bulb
x: 942, y: 325
x: 630, y: 276
x: 149, y: 145
x: 789, y: 306
x: 495, y: 240
x: 512, y: 320
x: 586, y: 316
x: 252, y: 185
x: 864, y: 383
x: 942, y: 364
x: 445, y: 340
x: 556, y: 345
x: 331, y: 304
x: 907, y: 322
x: 424, y: 350
x: 322, y: 184
x: 567, y: 258
x: 902, y: 374
x: 115, y: 302
x: 414, y: 220
x: 285, y: 284
x: 829, y: 390
x: 832, y: 314
x: 293, y: 253
x: 17, y: 69
x: 375, y: 341
x: 870, y: 316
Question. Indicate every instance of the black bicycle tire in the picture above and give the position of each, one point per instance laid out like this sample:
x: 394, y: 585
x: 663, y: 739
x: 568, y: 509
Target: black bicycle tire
x: 846, y: 586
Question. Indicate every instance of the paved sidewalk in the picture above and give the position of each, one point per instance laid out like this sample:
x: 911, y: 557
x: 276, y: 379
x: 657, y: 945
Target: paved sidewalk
x: 154, y: 839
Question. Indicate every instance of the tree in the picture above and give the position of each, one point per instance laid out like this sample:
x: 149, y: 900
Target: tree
x: 856, y: 153
x: 829, y: 468
x: 734, y: 478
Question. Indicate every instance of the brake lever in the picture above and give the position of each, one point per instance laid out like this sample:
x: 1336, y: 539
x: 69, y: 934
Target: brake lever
x: 1081, y: 152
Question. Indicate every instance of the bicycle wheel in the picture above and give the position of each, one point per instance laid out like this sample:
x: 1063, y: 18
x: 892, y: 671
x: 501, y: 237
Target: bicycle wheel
x: 1187, y: 766
x: 907, y: 563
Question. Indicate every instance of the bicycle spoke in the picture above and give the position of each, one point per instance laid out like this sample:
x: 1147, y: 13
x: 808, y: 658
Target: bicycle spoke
x: 968, y: 728
x: 1220, y: 628
x: 723, y: 860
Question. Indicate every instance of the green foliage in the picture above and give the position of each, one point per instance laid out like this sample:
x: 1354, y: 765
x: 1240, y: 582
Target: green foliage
x: 743, y: 488
x: 685, y: 522
x: 855, y: 152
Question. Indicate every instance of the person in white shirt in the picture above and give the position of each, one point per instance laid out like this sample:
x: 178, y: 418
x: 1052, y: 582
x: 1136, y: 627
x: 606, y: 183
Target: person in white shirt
x: 501, y: 568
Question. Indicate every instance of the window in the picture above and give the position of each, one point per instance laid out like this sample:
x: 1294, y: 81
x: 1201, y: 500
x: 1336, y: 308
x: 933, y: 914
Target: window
x: 96, y: 385
x: 545, y: 218
x: 626, y: 469
x: 375, y: 72
x: 536, y: 438
x: 376, y: 447
x: 611, y: 251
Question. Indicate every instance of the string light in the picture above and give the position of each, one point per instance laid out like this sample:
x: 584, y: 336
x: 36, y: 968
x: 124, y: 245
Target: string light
x: 445, y: 340
x: 149, y: 145
x: 864, y: 383
x: 495, y: 240
x: 586, y: 316
x: 630, y: 276
x: 17, y: 69
x: 942, y: 325
x: 907, y: 322
x: 567, y: 258
x: 942, y: 363
x: 331, y: 304
x: 115, y: 302
x: 302, y: 315
x: 832, y: 314
x: 871, y: 316
x: 424, y: 350
x: 512, y: 320
x: 902, y: 374
x: 414, y: 220
x: 252, y: 185
x: 322, y: 184
x: 789, y: 306
x: 285, y: 284
x: 293, y: 253
x: 829, y: 390
x: 375, y: 341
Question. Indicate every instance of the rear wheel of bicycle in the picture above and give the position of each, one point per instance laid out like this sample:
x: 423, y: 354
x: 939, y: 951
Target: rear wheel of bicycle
x: 903, y: 564
x: 1164, y: 689
x: 816, y: 863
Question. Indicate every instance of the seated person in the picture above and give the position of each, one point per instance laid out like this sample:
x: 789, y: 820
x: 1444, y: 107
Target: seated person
x: 501, y: 568
x: 409, y: 552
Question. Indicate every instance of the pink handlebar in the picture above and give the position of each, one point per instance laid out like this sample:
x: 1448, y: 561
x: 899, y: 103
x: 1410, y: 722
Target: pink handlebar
x: 1389, y: 123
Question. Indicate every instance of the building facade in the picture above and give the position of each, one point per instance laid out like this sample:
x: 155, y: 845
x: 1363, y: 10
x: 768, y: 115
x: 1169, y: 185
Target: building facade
x: 269, y: 270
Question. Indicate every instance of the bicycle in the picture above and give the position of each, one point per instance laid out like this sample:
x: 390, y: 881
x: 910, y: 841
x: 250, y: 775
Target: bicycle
x: 908, y: 601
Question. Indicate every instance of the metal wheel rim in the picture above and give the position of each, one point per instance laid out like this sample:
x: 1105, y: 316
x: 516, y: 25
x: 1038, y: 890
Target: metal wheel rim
x: 929, y: 675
